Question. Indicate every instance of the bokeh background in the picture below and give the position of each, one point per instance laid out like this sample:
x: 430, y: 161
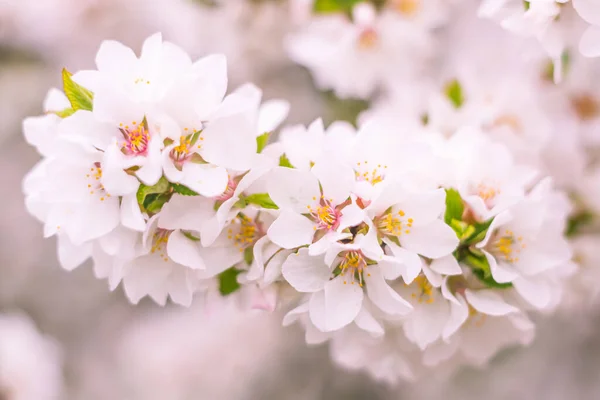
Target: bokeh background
x: 113, y: 350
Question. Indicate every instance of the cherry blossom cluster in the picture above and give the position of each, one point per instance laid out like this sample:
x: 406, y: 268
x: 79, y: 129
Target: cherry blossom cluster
x: 407, y: 245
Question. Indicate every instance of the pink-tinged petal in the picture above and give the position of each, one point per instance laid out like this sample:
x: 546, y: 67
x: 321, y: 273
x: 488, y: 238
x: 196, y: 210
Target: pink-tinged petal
x: 478, y: 207
x: 291, y: 230
x: 382, y: 295
x: 171, y: 172
x: 271, y: 114
x: 114, y: 58
x: 536, y: 293
x: 433, y: 240
x: 184, y: 251
x: 488, y: 302
x: 459, y: 312
x: 365, y: 321
x: 447, y: 293
x: 131, y: 215
x: 499, y: 220
x: 391, y: 268
x: 589, y: 45
x: 502, y: 273
x: 336, y: 179
x: 84, y: 127
x: 589, y: 10
x: 336, y: 306
x: 208, y: 180
x: 152, y: 49
x: 273, y: 268
x: 351, y: 215
x: 70, y: 255
x: 294, y: 314
x: 186, y: 212
x: 218, y: 259
x: 293, y: 189
x: 244, y: 101
x: 55, y: 100
x: 305, y: 273
x: 264, y: 299
x: 446, y: 265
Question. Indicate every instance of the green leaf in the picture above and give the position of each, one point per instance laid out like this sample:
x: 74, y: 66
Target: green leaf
x: 79, y: 97
x: 285, y: 162
x: 261, y: 141
x: 454, y: 206
x: 262, y: 200
x: 144, y: 191
x: 454, y: 93
x: 228, y: 281
x: 249, y: 255
x: 183, y: 190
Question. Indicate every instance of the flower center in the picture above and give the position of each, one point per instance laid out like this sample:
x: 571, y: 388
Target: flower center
x: 244, y: 231
x: 352, y: 267
x: 407, y: 7
x: 229, y: 190
x: 367, y: 39
x: 424, y: 293
x: 509, y: 121
x: 182, y: 152
x: 394, y: 224
x: 159, y: 243
x: 93, y: 182
x: 586, y: 107
x: 371, y: 175
x: 326, y: 215
x: 507, y: 247
x: 487, y: 193
x: 136, y: 139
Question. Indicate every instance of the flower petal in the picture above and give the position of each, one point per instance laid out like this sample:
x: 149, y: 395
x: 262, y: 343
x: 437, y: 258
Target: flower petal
x: 184, y: 251
x: 336, y: 306
x: 446, y: 265
x: 206, y: 179
x: 488, y: 302
x: 433, y: 240
x: 305, y: 273
x: 382, y: 295
x: 293, y: 189
x: 291, y: 230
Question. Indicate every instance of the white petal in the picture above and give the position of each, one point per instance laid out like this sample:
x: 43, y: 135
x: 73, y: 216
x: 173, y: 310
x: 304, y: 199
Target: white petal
x: 382, y: 295
x: 433, y: 240
x: 115, y: 180
x: 131, y: 215
x: 206, y: 179
x: 424, y: 207
x: 271, y: 115
x: 184, y: 251
x: 488, y: 302
x: 365, y: 321
x: 336, y: 306
x: 291, y: 230
x: 590, y: 42
x: 151, y: 171
x: 229, y: 142
x: 433, y: 277
x: 446, y: 265
x: 322, y: 245
x: 501, y: 273
x: 211, y: 72
x: 589, y: 10
x: 459, y: 312
x: 305, y: 273
x: 293, y: 189
x: 412, y: 262
x: 294, y: 314
x: 70, y: 255
x: 186, y: 212
x: 180, y: 288
x: 336, y: 179
x: 535, y: 293
x: 113, y: 58
x: 351, y: 215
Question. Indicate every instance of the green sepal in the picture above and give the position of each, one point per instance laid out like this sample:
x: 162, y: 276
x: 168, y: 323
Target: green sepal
x: 67, y: 112
x: 577, y: 222
x: 261, y: 141
x: 478, y: 233
x: 285, y: 162
x: 162, y: 186
x: 79, y: 97
x: 454, y: 206
x: 190, y: 236
x: 262, y: 200
x: 478, y: 263
x: 249, y: 255
x: 155, y: 202
x: 334, y: 6
x: 454, y: 92
x: 489, y: 281
x: 228, y: 281
x: 183, y: 190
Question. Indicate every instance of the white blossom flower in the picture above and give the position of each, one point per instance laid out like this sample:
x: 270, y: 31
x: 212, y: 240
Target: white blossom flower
x: 30, y: 363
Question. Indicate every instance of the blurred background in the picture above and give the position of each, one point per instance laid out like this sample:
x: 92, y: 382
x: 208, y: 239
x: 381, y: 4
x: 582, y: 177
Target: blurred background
x: 109, y: 349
